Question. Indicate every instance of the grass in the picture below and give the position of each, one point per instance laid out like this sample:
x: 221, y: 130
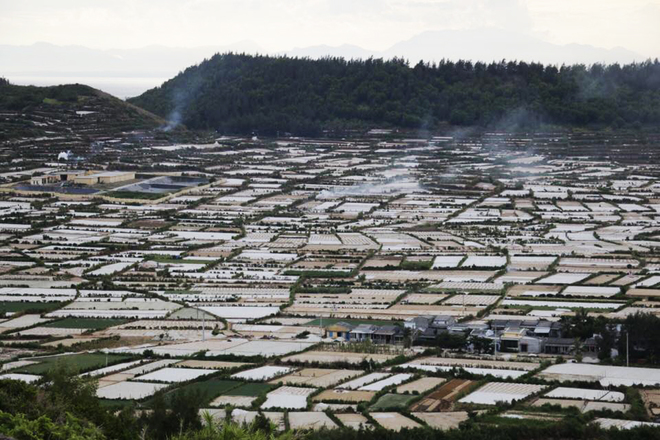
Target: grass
x: 332, y: 321
x: 208, y: 389
x: 52, y: 101
x: 36, y: 307
x: 86, y: 323
x: 389, y: 401
x: 78, y: 362
x: 250, y: 389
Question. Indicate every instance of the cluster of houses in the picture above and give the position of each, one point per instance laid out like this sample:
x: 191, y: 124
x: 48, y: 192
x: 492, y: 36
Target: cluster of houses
x: 508, y: 336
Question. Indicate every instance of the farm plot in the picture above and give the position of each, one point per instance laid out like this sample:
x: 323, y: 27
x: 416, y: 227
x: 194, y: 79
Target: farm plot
x: 241, y: 312
x: 310, y: 420
x: 464, y: 286
x: 222, y: 346
x: 247, y: 417
x: 213, y: 365
x: 484, y: 261
x: 77, y: 362
x: 354, y: 421
x: 604, y: 374
x: 129, y: 390
x: 21, y: 321
x: 561, y: 304
x: 262, y: 373
x: 287, y: 397
x: 174, y: 375
x: 420, y: 386
x: 394, y: 421
x: 330, y: 357
x: 84, y: 323
x: 381, y: 384
x: 585, y: 394
x: 342, y: 395
x: 446, y: 261
x: 318, y: 377
x: 494, y: 392
x: 9, y: 308
x: 472, y: 300
x: 362, y: 381
x: 150, y: 308
x: 111, y: 369
x: 495, y: 372
x: 27, y: 378
x: 241, y: 395
x: 423, y: 298
x: 442, y: 420
x: 443, y: 398
x: 591, y: 291
x: 524, y: 262
x: 564, y: 278
x: 35, y: 294
x: 392, y: 402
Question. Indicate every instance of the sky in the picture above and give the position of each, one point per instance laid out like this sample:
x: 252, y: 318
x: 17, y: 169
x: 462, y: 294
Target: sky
x: 281, y: 25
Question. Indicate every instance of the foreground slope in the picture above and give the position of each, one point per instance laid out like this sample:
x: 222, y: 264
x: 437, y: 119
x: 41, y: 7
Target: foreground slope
x: 74, y: 109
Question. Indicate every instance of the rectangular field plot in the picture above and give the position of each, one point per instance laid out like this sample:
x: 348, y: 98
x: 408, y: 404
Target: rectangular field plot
x: 317, y: 377
x: 310, y: 420
x: 420, y: 385
x: 585, y: 394
x: 85, y: 323
x: 331, y: 356
x: 392, y: 402
x: 443, y: 420
x: 381, y: 384
x: 347, y: 396
x: 394, y: 421
x: 173, y: 375
x: 494, y: 392
x: 129, y: 390
x: 262, y: 373
x: 287, y: 397
x: 77, y: 362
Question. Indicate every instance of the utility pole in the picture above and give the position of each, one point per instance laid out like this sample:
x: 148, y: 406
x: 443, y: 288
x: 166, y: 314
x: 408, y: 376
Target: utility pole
x: 627, y: 349
x: 203, y: 327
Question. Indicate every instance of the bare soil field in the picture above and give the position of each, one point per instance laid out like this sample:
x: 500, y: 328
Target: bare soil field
x: 443, y: 398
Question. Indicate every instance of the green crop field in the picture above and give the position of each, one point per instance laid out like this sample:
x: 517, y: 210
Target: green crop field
x: 389, y: 401
x: 86, y: 323
x: 78, y: 362
x: 208, y: 389
x: 37, y: 307
x: 250, y: 389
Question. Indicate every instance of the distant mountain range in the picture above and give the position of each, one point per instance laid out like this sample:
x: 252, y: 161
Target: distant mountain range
x: 129, y: 72
x: 159, y: 61
x: 480, y: 45
x: 155, y: 61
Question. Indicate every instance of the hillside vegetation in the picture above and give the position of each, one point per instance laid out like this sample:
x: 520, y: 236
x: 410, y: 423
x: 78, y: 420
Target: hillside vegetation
x: 243, y: 93
x: 75, y: 109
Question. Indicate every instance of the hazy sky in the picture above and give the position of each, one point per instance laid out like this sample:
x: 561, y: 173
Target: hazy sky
x: 278, y: 25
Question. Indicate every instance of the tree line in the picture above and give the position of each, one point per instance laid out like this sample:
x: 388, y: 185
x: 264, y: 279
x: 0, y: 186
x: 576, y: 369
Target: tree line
x: 238, y: 93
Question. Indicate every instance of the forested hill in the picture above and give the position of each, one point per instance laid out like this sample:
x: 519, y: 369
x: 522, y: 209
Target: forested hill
x: 243, y: 93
